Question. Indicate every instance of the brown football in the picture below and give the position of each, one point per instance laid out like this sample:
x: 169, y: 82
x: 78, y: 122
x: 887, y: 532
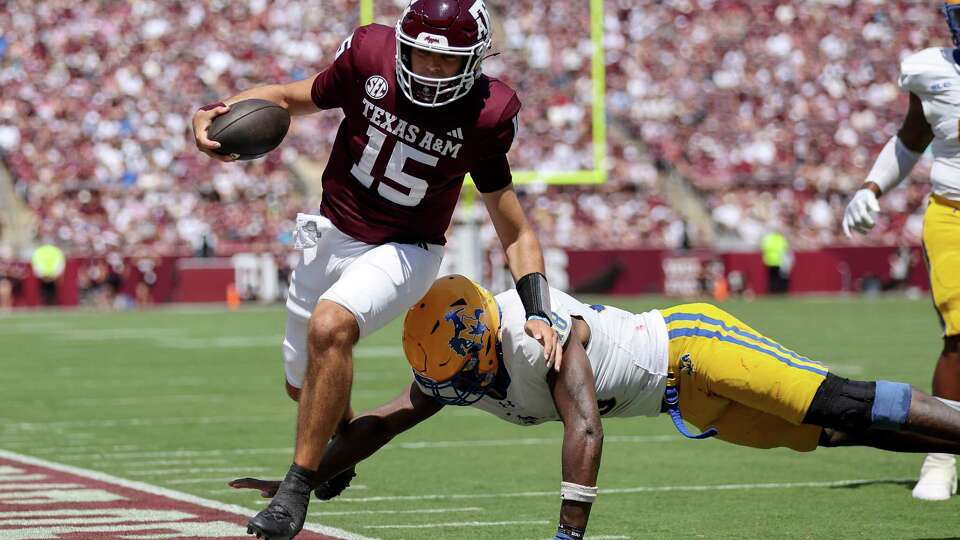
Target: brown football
x: 250, y: 129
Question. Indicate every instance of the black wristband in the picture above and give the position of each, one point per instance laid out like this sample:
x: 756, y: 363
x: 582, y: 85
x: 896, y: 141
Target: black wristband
x: 535, y: 295
x: 569, y: 531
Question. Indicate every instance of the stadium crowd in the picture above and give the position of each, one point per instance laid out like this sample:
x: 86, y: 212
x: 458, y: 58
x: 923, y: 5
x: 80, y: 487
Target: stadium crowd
x: 770, y: 109
x: 772, y: 113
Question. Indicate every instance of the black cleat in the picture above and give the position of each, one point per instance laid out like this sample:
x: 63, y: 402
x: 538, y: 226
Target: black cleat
x: 275, y: 522
x: 283, y: 518
x: 335, y: 486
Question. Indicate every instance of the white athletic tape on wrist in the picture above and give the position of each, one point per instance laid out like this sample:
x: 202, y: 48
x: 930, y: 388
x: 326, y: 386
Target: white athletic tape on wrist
x: 893, y: 164
x: 575, y: 492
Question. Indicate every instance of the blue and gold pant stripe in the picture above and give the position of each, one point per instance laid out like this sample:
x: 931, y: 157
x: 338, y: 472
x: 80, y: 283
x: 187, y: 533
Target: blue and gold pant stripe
x: 733, y: 334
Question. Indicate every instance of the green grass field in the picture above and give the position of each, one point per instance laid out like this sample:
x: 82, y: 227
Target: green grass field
x: 190, y: 398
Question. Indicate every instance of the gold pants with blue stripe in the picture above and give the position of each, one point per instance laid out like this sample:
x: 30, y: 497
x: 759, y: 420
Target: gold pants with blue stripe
x: 941, y: 246
x: 752, y: 389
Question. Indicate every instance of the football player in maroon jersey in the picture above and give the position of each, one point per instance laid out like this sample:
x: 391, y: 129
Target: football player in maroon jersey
x: 419, y: 115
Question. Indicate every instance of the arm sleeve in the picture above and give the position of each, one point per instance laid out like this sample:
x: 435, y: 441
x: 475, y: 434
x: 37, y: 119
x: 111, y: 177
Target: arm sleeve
x: 330, y: 85
x: 492, y: 171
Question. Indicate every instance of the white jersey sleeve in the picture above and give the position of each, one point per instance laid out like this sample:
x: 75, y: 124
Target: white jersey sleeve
x: 933, y: 75
x: 628, y: 354
x: 513, y: 332
x: 919, y: 70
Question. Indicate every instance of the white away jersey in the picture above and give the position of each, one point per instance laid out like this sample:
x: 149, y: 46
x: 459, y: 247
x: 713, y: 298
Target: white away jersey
x: 934, y: 76
x: 628, y: 353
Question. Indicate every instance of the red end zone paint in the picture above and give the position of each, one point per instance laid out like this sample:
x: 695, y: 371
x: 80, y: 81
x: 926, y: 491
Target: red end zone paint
x: 40, y: 499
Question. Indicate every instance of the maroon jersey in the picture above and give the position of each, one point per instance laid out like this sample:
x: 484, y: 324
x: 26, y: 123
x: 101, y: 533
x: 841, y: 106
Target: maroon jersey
x: 396, y: 168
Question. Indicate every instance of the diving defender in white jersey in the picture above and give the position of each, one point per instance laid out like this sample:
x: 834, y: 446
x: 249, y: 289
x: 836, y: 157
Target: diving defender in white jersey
x: 467, y: 347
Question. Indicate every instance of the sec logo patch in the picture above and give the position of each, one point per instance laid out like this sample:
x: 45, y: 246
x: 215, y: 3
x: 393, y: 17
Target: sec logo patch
x: 376, y: 87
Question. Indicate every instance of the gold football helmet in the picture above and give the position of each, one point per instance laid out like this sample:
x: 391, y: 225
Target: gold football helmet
x: 450, y: 340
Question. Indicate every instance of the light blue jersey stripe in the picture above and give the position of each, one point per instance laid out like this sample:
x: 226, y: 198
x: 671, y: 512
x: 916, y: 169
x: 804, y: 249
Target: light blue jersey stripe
x: 700, y: 332
x: 735, y: 330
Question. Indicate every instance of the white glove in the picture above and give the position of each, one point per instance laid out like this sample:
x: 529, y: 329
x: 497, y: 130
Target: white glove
x: 861, y: 213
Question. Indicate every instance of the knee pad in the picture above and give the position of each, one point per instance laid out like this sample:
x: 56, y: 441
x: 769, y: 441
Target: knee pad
x: 842, y: 404
x: 854, y: 406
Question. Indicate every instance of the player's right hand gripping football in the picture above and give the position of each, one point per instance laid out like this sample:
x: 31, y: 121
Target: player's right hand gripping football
x: 202, y: 119
x: 861, y: 213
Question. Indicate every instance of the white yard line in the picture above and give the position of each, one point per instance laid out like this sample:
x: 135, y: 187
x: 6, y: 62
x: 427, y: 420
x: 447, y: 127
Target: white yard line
x: 120, y: 402
x: 160, y: 462
x: 147, y: 422
x: 199, y: 481
x: 391, y: 512
x: 165, y: 492
x: 460, y: 524
x: 177, y: 338
x: 87, y: 448
x: 528, y: 441
x: 199, y: 470
x: 623, y: 491
x: 38, y: 485
x: 411, y: 445
x: 192, y: 453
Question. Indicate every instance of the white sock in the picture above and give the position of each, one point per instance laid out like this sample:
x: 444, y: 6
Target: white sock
x: 941, y: 460
x: 955, y: 405
x: 944, y: 458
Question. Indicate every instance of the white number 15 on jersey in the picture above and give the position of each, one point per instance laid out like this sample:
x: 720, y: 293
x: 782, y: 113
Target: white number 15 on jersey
x: 363, y: 171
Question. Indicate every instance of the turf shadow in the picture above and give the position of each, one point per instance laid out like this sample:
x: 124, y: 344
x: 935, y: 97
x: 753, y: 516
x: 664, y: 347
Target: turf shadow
x: 908, y: 484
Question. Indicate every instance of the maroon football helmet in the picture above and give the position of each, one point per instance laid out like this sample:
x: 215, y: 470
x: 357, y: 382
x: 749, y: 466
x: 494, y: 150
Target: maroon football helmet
x: 453, y: 27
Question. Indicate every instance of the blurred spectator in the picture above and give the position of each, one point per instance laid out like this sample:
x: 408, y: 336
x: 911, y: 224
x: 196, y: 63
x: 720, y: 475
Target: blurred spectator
x: 91, y: 283
x: 12, y: 275
x: 901, y: 262
x: 777, y: 258
x: 143, y: 290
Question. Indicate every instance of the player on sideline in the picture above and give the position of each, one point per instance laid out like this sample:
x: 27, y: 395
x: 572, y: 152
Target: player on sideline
x: 467, y: 347
x: 418, y: 115
x: 933, y: 80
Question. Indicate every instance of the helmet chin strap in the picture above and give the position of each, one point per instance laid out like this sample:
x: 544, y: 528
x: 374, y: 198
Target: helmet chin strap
x: 497, y: 389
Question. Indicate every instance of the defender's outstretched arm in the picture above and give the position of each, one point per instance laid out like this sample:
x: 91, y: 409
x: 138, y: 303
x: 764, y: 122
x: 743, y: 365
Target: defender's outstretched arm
x: 370, y: 431
x: 574, y: 394
x: 361, y: 437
